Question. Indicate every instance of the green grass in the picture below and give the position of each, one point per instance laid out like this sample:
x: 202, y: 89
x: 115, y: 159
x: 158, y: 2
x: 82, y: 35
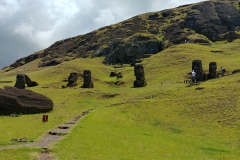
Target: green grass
x: 19, y: 154
x: 167, y: 119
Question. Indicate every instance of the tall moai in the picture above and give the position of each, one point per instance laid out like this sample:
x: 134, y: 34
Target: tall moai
x: 87, y: 76
x: 140, y: 77
x: 212, y: 70
x: 197, y: 67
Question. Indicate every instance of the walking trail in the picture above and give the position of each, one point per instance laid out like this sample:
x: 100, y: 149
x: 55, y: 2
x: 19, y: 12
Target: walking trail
x: 50, y: 138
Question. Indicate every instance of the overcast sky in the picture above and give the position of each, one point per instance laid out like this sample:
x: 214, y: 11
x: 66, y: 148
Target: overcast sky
x: 27, y: 26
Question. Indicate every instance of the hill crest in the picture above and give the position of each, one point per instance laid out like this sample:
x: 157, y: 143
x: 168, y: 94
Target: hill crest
x: 146, y: 34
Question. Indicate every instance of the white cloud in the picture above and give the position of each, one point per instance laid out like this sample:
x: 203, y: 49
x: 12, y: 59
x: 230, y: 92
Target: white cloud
x: 104, y: 18
x: 32, y: 25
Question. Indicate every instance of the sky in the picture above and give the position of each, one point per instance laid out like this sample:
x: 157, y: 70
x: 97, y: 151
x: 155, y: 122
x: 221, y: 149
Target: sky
x: 27, y: 26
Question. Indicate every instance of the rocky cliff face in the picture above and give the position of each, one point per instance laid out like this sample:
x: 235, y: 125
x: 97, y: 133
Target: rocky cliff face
x: 147, y: 34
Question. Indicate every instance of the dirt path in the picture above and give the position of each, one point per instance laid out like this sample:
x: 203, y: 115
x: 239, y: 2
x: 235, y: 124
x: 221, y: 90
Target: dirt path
x: 49, y: 139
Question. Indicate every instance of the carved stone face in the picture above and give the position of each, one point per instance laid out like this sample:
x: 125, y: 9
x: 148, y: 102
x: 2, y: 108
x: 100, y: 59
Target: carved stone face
x: 73, y: 77
x: 87, y: 75
x: 197, y: 65
x: 212, y: 67
x: 20, y: 83
x: 139, y: 71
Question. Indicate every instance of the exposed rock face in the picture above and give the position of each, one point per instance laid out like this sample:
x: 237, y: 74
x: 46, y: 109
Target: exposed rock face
x: 14, y: 100
x: 22, y: 79
x: 88, y: 83
x: 212, y: 70
x: 72, y: 79
x: 141, y: 36
x: 197, y: 67
x: 140, y: 77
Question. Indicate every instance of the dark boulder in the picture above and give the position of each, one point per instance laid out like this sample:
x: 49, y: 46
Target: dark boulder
x: 23, y: 101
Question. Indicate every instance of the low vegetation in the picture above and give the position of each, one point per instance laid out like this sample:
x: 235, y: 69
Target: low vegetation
x: 167, y: 119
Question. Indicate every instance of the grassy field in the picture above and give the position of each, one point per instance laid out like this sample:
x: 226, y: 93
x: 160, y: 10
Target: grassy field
x: 167, y: 119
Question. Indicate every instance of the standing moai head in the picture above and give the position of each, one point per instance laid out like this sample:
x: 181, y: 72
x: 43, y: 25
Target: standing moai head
x: 87, y: 76
x: 197, y: 65
x: 212, y: 67
x: 20, y: 82
x: 72, y: 79
x: 140, y: 77
x: 212, y: 70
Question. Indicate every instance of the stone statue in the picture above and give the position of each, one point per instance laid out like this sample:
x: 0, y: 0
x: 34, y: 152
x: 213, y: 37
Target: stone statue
x: 139, y: 74
x: 20, y: 83
x: 22, y: 79
x: 212, y: 70
x: 197, y: 67
x: 72, y: 79
x: 87, y: 76
x: 29, y: 82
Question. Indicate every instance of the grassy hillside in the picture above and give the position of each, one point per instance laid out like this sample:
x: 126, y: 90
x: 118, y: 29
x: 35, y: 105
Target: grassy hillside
x: 167, y: 119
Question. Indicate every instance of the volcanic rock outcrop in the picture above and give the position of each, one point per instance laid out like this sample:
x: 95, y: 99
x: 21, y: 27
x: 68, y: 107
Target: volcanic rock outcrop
x: 147, y: 34
x: 23, y: 101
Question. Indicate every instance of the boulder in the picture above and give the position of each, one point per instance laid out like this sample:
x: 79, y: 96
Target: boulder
x: 23, y: 101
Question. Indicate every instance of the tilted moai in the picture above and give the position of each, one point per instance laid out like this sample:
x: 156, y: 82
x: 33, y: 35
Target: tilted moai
x: 140, y: 77
x: 20, y: 82
x: 87, y: 76
x: 197, y: 67
x: 72, y: 79
x: 22, y: 79
x: 212, y: 70
x: 29, y: 82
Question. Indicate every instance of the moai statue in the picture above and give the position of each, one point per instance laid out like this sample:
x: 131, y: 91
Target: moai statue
x: 72, y: 79
x: 20, y: 83
x: 29, y: 82
x: 197, y: 67
x: 212, y: 70
x: 139, y: 74
x: 88, y: 83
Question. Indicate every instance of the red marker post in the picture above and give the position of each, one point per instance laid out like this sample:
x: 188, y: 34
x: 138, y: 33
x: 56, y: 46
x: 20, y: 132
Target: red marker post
x: 44, y: 118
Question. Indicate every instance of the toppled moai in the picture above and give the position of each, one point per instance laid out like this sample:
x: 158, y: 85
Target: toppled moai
x: 115, y: 74
x: 140, y: 77
x: 197, y: 67
x: 212, y: 70
x: 22, y: 79
x: 72, y: 79
x: 87, y: 76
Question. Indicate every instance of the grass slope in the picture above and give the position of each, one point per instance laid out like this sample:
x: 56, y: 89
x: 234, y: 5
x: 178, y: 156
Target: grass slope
x: 164, y: 120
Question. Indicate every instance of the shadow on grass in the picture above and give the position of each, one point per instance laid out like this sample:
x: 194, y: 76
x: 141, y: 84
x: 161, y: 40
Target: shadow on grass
x: 208, y: 149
